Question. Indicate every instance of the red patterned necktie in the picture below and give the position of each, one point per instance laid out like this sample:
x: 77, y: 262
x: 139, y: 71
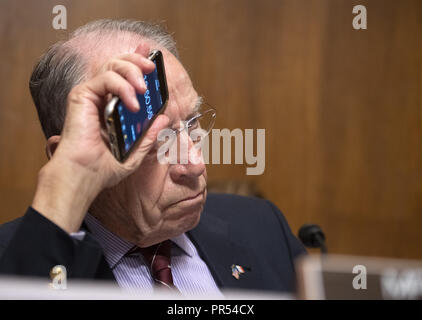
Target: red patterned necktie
x: 158, y: 259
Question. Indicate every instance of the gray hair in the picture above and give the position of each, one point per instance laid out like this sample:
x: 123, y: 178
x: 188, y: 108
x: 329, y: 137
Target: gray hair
x: 62, y: 67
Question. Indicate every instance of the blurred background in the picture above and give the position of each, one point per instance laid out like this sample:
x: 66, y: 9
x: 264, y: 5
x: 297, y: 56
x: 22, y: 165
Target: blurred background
x: 342, y: 108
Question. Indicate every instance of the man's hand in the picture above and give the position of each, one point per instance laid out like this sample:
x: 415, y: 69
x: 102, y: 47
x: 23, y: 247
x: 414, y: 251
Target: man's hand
x: 82, y: 164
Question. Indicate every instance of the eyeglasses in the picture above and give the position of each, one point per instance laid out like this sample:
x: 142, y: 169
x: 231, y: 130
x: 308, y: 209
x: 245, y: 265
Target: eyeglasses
x: 197, y: 127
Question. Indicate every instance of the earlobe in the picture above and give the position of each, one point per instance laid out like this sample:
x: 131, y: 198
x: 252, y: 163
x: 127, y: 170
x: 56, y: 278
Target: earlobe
x: 51, y: 146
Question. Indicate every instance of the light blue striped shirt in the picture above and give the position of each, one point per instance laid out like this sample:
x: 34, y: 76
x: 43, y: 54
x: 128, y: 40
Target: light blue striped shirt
x: 191, y: 275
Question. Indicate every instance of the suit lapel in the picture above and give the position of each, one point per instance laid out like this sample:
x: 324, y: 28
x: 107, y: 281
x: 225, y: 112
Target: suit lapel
x: 103, y: 270
x: 220, y: 252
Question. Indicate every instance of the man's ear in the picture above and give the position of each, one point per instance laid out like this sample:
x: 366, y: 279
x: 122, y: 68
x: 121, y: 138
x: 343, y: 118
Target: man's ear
x: 51, y: 145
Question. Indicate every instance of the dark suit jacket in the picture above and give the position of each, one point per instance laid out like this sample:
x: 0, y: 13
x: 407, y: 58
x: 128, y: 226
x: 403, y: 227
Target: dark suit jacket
x: 248, y: 232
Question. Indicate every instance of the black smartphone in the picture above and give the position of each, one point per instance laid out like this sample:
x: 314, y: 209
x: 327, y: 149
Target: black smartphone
x: 125, y: 128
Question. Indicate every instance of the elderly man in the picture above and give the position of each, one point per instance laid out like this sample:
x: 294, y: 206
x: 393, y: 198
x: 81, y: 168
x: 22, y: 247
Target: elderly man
x: 129, y: 222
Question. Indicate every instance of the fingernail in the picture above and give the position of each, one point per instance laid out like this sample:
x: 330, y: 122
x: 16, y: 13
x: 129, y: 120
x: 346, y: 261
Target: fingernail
x: 150, y: 62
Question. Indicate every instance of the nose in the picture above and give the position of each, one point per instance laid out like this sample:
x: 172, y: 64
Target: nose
x: 190, y: 164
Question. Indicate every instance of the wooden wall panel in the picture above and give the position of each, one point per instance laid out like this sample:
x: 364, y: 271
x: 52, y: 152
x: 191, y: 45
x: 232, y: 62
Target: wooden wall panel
x: 341, y: 108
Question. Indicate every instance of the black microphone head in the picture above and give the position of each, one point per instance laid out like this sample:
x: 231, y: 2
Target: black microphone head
x: 311, y: 235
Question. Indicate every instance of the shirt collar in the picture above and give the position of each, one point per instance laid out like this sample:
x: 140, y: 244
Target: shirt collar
x: 184, y: 244
x: 115, y: 247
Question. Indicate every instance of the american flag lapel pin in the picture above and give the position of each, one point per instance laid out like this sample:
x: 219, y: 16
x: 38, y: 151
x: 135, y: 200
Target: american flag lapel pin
x: 237, y: 271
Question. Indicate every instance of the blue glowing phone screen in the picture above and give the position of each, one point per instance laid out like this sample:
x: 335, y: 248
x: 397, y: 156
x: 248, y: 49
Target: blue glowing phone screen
x: 134, y: 124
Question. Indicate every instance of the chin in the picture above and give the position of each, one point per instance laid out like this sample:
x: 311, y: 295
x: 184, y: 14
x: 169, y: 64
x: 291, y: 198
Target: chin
x: 192, y: 220
x: 185, y: 216
x: 186, y: 220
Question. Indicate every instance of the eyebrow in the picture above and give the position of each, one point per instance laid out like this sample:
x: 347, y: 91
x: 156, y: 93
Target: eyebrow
x: 198, y: 103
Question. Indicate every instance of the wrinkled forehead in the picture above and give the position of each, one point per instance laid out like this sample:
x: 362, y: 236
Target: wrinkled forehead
x: 97, y: 49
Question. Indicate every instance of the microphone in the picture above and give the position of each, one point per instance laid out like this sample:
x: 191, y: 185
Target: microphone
x: 312, y: 237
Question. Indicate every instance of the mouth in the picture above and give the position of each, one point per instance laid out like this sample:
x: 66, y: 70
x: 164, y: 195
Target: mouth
x: 191, y: 201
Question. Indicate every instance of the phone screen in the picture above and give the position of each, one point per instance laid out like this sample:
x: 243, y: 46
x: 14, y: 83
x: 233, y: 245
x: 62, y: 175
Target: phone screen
x: 133, y: 125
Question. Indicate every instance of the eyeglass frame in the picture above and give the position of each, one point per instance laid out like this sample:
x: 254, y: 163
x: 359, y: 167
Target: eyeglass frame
x: 187, y: 122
